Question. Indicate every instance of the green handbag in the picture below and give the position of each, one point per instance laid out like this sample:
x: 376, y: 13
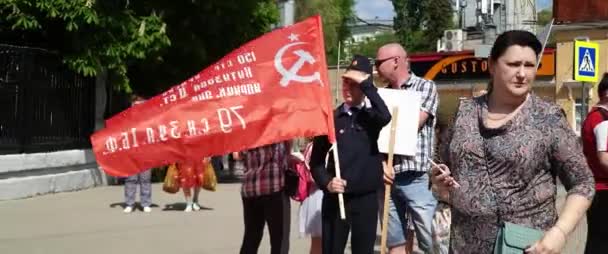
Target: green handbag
x: 515, y: 239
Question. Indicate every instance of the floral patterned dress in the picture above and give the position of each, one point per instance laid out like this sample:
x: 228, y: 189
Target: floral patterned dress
x: 509, y: 173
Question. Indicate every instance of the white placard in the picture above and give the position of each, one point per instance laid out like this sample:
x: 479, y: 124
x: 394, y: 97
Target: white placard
x: 406, y: 134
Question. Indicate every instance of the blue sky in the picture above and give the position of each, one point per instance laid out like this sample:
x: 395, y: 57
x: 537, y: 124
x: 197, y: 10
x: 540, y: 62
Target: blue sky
x: 383, y: 9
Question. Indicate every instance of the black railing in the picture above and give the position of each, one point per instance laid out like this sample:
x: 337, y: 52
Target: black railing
x: 43, y: 105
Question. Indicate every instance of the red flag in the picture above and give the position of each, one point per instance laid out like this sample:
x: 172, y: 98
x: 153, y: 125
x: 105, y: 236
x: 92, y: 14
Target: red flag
x: 271, y: 89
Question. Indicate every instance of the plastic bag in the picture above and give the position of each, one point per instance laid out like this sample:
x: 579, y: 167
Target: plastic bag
x: 209, y: 177
x: 302, y: 185
x: 171, y: 185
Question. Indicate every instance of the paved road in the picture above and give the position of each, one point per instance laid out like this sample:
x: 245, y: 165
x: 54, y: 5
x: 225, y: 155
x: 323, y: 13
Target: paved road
x: 91, y: 221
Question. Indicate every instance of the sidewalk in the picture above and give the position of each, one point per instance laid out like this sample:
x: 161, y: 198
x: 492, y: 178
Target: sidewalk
x: 92, y: 221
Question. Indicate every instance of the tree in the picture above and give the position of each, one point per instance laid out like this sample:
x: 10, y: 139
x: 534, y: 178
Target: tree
x: 371, y: 46
x: 544, y: 17
x: 90, y: 35
x: 201, y: 32
x: 418, y: 23
x: 147, y: 45
x: 336, y: 15
x: 439, y: 17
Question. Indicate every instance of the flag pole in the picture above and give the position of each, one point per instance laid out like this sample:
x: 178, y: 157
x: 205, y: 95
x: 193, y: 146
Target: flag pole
x: 338, y: 72
x: 387, y: 187
x: 335, y: 145
x: 337, y: 170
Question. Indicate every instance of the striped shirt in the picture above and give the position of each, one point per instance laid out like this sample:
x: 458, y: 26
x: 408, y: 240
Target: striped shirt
x: 429, y: 102
x: 265, y: 169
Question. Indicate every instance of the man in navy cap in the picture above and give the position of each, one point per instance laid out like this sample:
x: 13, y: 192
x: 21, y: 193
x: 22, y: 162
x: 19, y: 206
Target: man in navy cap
x: 358, y: 122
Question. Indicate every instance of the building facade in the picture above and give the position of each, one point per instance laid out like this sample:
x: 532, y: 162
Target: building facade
x: 578, y: 20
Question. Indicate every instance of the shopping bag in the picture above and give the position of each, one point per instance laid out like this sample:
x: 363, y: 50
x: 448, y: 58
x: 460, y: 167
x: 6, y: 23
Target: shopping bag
x: 209, y: 177
x: 170, y: 185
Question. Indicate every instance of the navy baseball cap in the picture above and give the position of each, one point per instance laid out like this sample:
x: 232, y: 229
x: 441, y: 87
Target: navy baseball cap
x: 361, y: 63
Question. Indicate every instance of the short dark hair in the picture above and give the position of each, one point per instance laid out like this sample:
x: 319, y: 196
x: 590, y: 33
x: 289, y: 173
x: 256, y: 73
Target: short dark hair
x: 602, y: 87
x: 514, y: 37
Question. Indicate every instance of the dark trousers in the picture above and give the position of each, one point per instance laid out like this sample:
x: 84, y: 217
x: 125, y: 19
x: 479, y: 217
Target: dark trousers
x: 273, y: 209
x: 361, y: 221
x: 597, y: 224
x: 218, y: 163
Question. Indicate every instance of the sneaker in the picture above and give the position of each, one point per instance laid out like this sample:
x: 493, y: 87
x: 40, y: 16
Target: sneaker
x: 188, y: 208
x: 196, y: 207
x: 147, y: 209
x: 128, y: 209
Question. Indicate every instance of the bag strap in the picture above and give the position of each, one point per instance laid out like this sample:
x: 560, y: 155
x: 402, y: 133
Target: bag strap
x: 307, y: 154
x: 603, y: 112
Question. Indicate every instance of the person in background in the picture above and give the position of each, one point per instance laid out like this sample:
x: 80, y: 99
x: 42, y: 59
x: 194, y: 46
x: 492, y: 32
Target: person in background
x: 410, y: 192
x: 595, y: 146
x: 358, y: 123
x: 218, y: 163
x: 264, y: 198
x: 190, y: 179
x: 310, y: 211
x: 142, y: 179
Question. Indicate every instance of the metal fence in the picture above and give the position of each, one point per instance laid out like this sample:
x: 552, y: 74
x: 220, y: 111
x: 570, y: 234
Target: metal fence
x: 43, y: 105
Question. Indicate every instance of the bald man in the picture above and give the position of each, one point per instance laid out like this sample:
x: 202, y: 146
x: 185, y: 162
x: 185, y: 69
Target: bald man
x: 408, y: 174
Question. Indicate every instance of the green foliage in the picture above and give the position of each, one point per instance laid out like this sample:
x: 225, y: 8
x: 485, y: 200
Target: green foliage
x: 201, y: 32
x: 369, y: 48
x: 544, y: 17
x: 90, y: 35
x: 419, y: 23
x: 439, y: 15
x: 147, y: 45
x: 336, y: 14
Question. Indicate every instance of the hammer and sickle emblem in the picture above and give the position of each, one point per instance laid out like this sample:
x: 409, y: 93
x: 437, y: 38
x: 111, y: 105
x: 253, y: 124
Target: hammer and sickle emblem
x: 292, y: 73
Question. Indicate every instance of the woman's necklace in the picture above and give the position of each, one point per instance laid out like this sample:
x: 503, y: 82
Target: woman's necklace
x: 498, y: 118
x: 504, y: 116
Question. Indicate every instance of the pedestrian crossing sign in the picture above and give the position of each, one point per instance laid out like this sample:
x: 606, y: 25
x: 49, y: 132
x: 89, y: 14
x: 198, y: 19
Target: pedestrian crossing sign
x: 586, y: 56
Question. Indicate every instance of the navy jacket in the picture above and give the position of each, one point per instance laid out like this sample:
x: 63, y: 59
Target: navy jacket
x: 357, y: 136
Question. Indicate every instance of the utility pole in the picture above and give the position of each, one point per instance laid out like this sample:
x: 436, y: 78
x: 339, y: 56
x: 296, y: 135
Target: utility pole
x: 287, y: 12
x: 485, y: 23
x: 485, y: 9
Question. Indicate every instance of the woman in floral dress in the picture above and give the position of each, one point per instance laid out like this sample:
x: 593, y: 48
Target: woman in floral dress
x: 505, y: 150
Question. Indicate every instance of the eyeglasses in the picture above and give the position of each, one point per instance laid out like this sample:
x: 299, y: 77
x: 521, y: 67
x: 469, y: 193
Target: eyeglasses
x: 378, y: 62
